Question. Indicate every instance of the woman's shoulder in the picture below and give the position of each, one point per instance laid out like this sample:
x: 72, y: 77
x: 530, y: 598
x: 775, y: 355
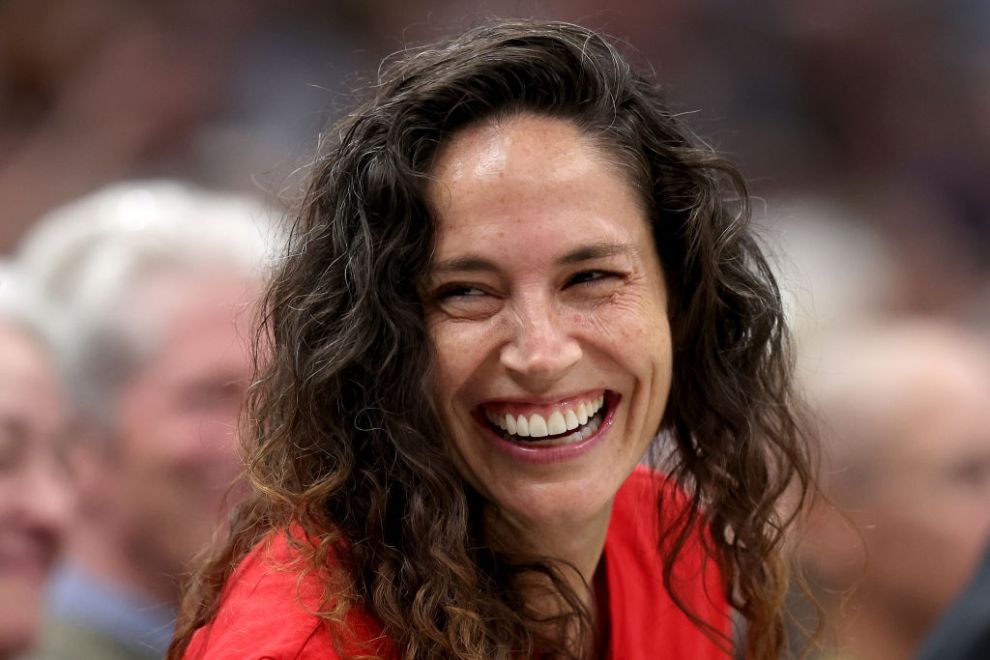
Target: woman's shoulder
x: 645, y: 614
x: 269, y: 611
x: 648, y: 505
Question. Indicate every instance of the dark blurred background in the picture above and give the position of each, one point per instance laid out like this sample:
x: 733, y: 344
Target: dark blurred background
x: 863, y: 125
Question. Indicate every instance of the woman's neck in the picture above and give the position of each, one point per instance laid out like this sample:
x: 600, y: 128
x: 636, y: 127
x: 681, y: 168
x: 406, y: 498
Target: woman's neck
x: 576, y: 545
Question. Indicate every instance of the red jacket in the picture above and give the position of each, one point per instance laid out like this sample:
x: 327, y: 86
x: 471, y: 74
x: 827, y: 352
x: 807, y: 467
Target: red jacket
x: 265, y: 611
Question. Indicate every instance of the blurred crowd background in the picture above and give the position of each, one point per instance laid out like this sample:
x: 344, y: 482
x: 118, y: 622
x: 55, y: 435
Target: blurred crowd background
x: 863, y: 127
x: 871, y: 116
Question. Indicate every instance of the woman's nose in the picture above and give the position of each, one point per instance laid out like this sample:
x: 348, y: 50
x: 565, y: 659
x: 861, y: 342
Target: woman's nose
x: 542, y: 348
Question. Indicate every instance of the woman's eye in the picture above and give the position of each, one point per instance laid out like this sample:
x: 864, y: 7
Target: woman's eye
x: 589, y: 276
x: 455, y: 292
x: 466, y: 301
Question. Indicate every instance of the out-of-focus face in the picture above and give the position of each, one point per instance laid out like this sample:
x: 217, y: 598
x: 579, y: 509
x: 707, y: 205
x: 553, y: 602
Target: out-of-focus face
x: 175, y: 454
x: 34, y: 500
x: 547, y: 306
x: 929, y: 509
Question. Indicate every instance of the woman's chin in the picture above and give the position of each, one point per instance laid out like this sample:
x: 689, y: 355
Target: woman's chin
x: 555, y: 507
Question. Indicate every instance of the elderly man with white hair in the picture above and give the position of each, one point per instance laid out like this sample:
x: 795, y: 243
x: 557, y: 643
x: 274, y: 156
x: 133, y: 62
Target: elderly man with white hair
x: 904, y: 413
x: 34, y: 489
x: 158, y: 280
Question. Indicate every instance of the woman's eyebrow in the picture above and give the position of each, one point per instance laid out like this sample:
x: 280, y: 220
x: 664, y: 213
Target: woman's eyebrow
x: 472, y: 263
x: 596, y: 251
x: 468, y: 263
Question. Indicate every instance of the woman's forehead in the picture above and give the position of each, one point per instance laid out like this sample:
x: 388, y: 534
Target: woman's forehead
x: 531, y: 178
x: 519, y: 146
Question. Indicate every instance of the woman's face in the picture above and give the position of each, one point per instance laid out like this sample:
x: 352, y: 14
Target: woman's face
x: 33, y: 493
x: 547, y: 305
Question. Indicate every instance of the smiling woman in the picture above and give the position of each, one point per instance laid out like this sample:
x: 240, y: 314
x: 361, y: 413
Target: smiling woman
x: 546, y: 306
x: 515, y: 276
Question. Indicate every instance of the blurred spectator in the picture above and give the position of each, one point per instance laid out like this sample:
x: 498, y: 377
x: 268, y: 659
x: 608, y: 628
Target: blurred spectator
x: 964, y: 632
x: 34, y: 496
x: 158, y: 282
x: 904, y: 412
x: 831, y: 266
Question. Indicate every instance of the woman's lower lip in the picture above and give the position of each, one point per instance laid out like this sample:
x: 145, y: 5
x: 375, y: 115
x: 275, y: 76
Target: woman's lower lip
x: 557, y: 453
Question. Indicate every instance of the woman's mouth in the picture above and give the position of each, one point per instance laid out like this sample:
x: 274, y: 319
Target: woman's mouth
x: 564, y: 422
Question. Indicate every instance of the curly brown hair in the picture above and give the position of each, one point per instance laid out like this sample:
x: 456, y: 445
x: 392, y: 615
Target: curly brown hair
x: 344, y: 439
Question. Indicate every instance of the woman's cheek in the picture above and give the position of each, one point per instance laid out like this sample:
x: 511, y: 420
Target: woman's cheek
x: 460, y: 344
x: 626, y: 319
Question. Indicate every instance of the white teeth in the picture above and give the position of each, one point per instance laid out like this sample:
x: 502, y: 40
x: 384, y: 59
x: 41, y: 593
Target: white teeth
x: 583, y: 420
x: 538, y: 426
x: 585, y: 432
x: 582, y: 414
x: 590, y: 429
x: 595, y: 405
